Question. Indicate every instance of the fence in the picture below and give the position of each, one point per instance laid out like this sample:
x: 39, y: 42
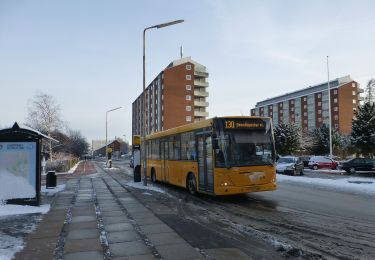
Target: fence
x: 61, y: 165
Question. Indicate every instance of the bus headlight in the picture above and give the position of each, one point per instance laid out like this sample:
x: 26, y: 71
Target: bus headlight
x: 225, y: 181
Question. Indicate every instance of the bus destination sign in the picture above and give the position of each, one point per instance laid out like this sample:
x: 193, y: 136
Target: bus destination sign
x: 244, y: 124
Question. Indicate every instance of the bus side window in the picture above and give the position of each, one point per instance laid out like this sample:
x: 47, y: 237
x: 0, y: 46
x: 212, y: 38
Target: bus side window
x: 188, y: 146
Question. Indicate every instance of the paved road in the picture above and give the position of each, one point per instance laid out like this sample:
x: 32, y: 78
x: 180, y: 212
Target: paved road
x: 298, y: 221
x: 310, y: 199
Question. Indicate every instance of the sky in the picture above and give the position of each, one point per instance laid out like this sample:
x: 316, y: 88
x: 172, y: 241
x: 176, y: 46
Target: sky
x: 87, y: 54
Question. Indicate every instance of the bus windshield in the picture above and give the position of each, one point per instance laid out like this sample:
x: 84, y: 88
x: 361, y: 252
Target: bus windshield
x: 245, y: 147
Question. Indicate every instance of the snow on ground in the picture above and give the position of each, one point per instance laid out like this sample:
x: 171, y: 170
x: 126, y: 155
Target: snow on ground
x: 9, y: 246
x: 358, y: 185
x: 74, y: 167
x: 6, y: 210
x: 139, y: 185
x: 53, y: 191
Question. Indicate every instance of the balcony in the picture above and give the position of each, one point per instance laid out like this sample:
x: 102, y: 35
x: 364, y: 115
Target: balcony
x: 200, y: 114
x: 198, y: 93
x: 200, y: 83
x: 200, y: 74
x: 200, y: 103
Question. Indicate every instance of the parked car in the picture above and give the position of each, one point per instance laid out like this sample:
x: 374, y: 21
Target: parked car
x: 358, y: 164
x: 319, y: 162
x: 289, y: 165
x: 305, y: 159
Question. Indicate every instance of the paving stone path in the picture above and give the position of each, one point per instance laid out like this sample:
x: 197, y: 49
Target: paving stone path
x: 97, y: 218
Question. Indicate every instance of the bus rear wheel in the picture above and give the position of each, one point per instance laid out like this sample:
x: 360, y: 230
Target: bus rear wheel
x: 192, y: 184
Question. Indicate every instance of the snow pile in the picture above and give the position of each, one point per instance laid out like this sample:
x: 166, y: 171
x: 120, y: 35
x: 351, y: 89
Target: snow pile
x: 15, y: 187
x: 6, y: 210
x: 357, y: 185
x: 9, y: 246
x: 71, y: 170
x: 139, y: 185
x: 50, y: 192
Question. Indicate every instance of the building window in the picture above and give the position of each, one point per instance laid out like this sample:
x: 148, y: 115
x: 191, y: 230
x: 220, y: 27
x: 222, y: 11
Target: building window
x: 353, y: 85
x: 271, y: 113
x: 292, y: 102
x: 292, y: 109
x: 188, y: 77
x: 304, y: 99
x: 305, y: 122
x: 188, y: 87
x: 281, y: 111
x: 336, y: 126
x: 319, y: 119
x: 188, y: 97
x: 188, y: 108
x: 335, y: 91
x: 319, y: 95
x: 188, y: 118
x: 336, y: 117
x: 354, y: 93
x: 305, y: 113
x: 188, y: 67
x: 319, y: 104
x: 335, y: 100
x: 319, y: 111
x: 354, y: 101
x: 335, y: 109
x: 354, y: 109
x: 304, y: 106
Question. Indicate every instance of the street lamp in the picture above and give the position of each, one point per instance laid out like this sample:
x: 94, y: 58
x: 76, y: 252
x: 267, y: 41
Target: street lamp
x: 106, y: 132
x: 329, y: 114
x: 143, y: 133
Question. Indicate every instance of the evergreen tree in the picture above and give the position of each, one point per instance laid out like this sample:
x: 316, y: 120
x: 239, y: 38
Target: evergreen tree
x: 363, y: 126
x: 320, y: 141
x: 287, y: 139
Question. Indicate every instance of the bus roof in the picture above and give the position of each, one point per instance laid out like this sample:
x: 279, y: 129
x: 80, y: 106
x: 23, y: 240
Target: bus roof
x: 193, y: 126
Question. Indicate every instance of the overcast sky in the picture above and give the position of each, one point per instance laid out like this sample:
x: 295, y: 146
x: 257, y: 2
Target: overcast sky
x: 88, y: 54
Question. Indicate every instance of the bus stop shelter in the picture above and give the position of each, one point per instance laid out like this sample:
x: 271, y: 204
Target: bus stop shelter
x: 20, y: 165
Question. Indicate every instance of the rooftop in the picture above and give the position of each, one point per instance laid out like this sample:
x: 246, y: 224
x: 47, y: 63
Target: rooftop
x: 306, y: 91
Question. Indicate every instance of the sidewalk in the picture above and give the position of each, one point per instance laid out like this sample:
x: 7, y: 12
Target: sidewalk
x: 95, y: 217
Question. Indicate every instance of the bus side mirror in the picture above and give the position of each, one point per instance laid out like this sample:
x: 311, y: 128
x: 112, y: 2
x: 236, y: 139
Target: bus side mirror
x: 215, y: 143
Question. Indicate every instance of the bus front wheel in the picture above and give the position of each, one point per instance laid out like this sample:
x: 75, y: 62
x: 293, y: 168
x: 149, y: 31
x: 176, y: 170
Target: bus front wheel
x: 192, y: 184
x: 153, y: 175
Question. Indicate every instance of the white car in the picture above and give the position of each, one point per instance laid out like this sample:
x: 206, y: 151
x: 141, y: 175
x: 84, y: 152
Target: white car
x: 289, y: 165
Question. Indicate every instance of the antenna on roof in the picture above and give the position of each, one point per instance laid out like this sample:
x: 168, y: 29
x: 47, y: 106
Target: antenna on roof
x: 181, y: 51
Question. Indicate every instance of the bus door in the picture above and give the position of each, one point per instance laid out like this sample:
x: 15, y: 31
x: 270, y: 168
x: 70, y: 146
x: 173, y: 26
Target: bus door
x: 205, y: 165
x: 164, y: 157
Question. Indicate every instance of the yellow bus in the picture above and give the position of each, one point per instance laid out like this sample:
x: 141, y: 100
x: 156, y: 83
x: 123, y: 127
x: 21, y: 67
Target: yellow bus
x: 218, y: 156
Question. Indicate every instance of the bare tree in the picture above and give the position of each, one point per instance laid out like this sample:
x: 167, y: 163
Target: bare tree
x: 44, y: 115
x: 370, y: 91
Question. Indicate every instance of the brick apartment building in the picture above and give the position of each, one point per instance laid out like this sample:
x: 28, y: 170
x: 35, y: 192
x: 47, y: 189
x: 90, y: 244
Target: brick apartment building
x: 177, y: 96
x: 308, y: 108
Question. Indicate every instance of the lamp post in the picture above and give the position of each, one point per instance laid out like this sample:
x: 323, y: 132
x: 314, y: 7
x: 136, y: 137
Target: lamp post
x: 143, y: 133
x: 329, y: 114
x: 106, y: 133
